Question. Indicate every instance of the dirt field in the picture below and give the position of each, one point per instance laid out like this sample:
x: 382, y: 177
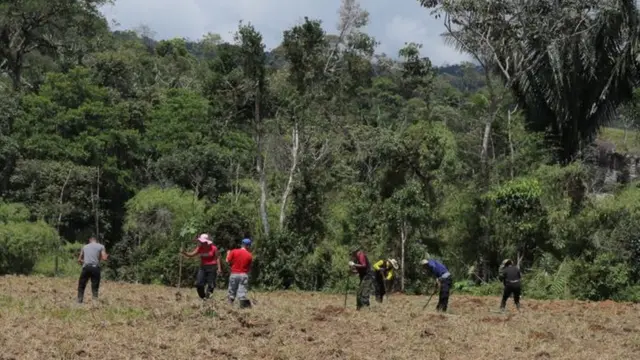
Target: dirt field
x: 38, y: 320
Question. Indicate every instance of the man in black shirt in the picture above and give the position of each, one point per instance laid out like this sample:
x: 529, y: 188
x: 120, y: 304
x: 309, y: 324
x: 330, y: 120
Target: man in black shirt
x: 510, y: 276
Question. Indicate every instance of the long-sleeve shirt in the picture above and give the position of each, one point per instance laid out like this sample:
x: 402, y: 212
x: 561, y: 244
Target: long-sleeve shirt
x: 436, y: 269
x: 362, y: 259
x: 510, y: 275
x: 385, y: 267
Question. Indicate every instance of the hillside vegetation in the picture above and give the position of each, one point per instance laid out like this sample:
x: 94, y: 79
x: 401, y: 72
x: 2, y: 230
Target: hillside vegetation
x: 153, y: 322
x: 322, y: 144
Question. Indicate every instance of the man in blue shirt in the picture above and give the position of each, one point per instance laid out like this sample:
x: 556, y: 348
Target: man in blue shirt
x: 443, y: 280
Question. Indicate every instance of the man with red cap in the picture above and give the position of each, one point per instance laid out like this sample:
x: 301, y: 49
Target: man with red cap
x: 209, y: 260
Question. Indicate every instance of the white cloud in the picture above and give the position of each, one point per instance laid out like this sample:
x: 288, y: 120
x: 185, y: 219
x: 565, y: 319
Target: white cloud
x: 391, y: 22
x: 402, y: 30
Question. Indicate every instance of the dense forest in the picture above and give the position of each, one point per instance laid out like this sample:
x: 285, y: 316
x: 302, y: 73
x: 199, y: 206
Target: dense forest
x: 322, y: 144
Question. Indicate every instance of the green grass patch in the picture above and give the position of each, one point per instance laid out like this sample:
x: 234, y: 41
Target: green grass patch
x: 8, y: 301
x: 124, y: 313
x: 617, y: 137
x: 187, y: 311
x: 85, y: 312
x: 493, y: 288
x: 67, y: 314
x: 67, y: 267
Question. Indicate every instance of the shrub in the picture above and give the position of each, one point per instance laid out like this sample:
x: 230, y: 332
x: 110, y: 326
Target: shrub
x: 600, y: 279
x: 158, y: 222
x: 23, y: 243
x: 67, y: 261
x: 13, y: 212
x: 631, y: 294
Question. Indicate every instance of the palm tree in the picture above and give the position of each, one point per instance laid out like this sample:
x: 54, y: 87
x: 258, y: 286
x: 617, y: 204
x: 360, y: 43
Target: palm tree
x: 569, y: 63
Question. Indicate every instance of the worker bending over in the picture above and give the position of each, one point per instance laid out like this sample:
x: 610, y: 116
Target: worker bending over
x: 383, y: 273
x: 443, y: 281
x: 360, y: 263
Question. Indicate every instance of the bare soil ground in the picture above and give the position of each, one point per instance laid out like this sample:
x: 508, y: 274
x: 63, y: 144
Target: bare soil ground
x: 38, y: 320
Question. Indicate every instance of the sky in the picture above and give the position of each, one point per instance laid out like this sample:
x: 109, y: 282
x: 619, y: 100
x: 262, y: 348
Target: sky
x: 391, y: 22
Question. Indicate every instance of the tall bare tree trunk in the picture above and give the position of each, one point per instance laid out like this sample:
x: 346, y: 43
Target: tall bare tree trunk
x: 260, y: 164
x: 237, y: 184
x: 511, y: 156
x: 484, y: 153
x: 60, y: 203
x: 403, y: 239
x: 263, y: 194
x: 96, y: 207
x: 484, y: 180
x: 295, y: 144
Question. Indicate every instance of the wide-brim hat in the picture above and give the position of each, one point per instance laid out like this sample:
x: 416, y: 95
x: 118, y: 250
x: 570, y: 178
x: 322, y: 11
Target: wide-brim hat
x: 394, y: 263
x: 424, y: 262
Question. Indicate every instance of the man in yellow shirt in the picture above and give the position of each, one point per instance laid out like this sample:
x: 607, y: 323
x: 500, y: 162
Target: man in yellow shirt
x: 384, y: 271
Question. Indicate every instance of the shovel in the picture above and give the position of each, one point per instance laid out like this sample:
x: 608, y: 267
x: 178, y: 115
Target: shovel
x: 428, y: 301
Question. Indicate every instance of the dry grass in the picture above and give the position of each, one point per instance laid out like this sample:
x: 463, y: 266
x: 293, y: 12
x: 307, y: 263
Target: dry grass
x: 40, y: 321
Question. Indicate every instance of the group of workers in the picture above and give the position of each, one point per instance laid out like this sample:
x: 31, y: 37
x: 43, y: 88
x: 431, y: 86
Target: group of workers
x: 239, y: 260
x: 381, y: 273
x: 377, y: 275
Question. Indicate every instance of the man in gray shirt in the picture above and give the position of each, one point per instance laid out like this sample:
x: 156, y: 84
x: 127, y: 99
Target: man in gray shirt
x: 89, y: 258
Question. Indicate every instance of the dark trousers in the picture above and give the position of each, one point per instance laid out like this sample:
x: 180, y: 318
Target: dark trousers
x: 380, y: 289
x: 364, y: 291
x: 443, y: 297
x: 511, y: 288
x: 89, y: 272
x: 207, y: 276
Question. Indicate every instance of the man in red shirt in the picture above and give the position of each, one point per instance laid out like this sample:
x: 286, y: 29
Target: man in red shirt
x: 209, y: 260
x: 240, y: 262
x: 360, y: 263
